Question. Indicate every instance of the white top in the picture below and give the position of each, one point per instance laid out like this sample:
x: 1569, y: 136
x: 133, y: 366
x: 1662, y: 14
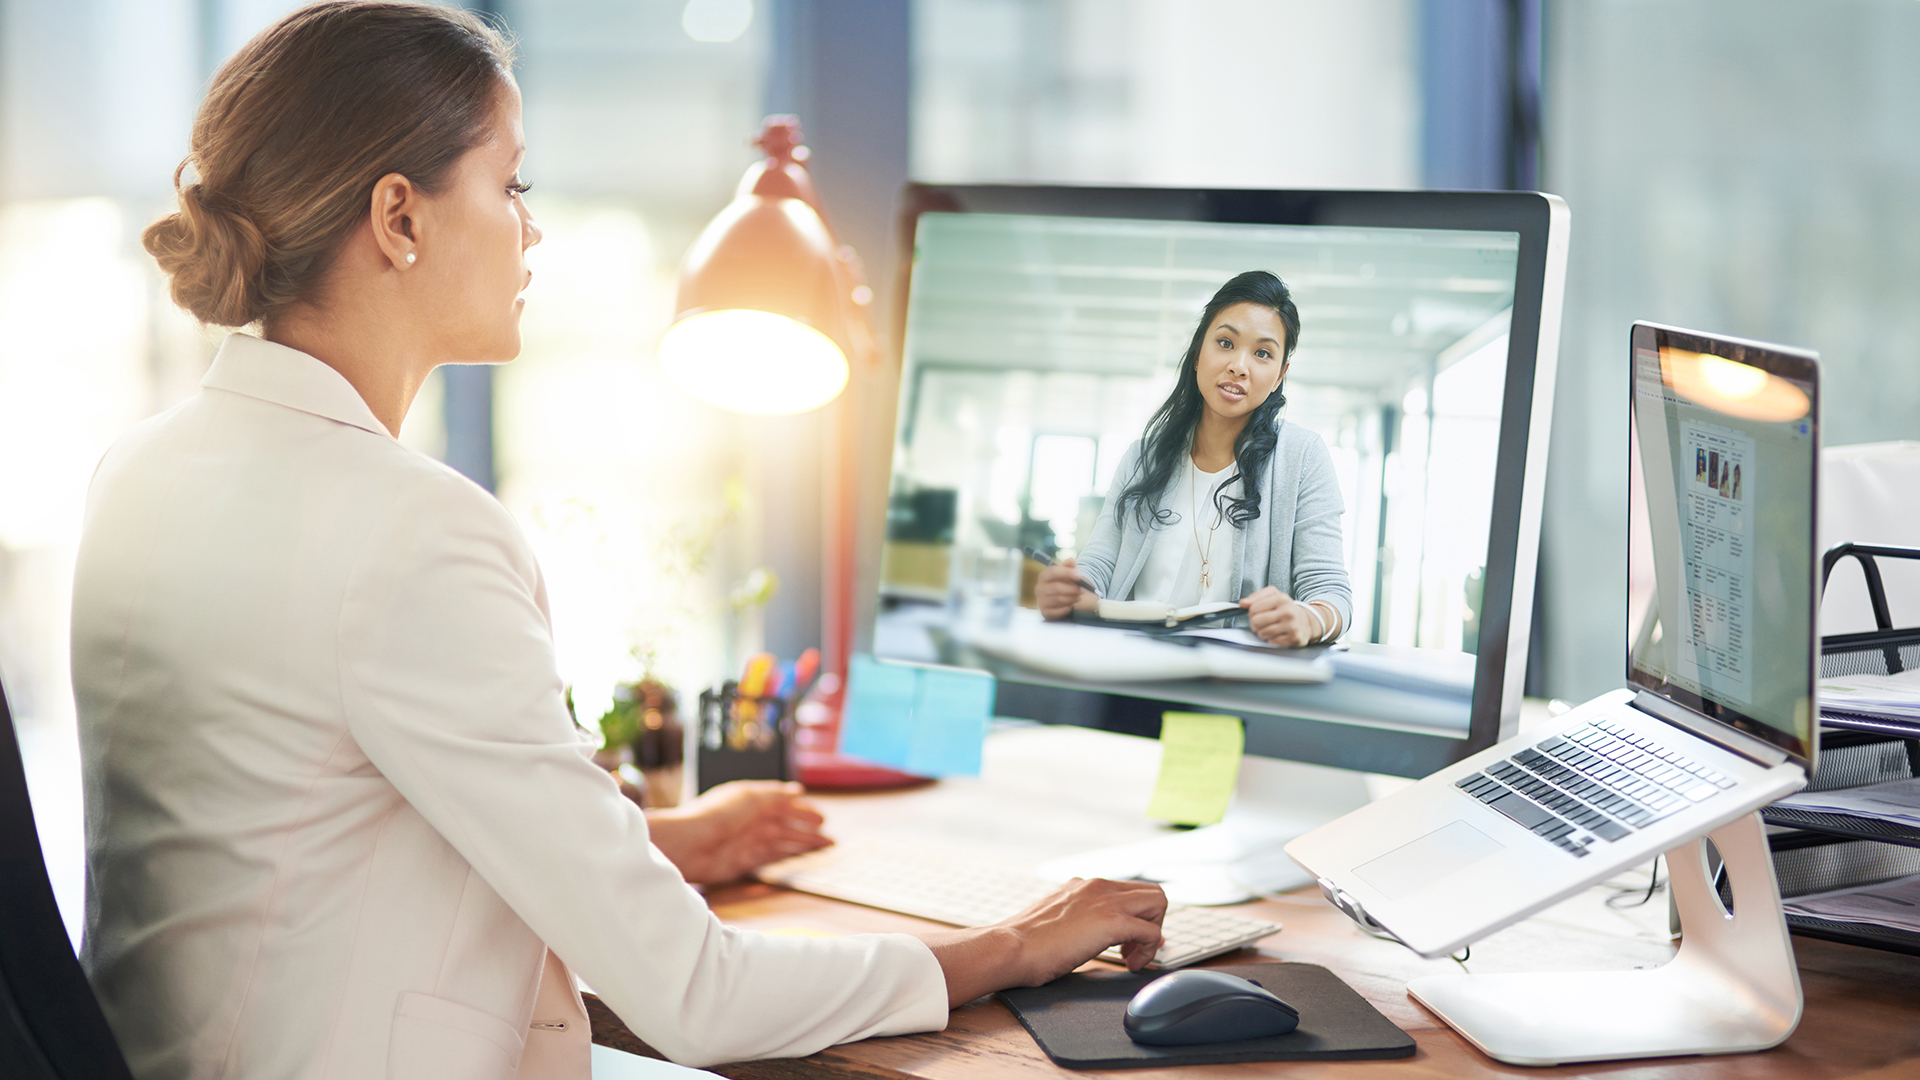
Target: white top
x: 337, y: 813
x: 1190, y: 532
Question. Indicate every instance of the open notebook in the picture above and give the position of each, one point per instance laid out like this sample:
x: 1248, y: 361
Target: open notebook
x: 1152, y: 611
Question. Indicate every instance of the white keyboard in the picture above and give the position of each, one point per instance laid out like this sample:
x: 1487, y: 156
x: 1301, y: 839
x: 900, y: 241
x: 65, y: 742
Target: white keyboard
x: 969, y: 892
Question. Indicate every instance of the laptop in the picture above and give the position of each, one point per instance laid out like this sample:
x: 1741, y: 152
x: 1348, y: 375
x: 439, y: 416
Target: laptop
x: 1716, y: 717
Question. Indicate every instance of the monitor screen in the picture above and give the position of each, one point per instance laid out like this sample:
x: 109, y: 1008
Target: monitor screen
x: 1721, y: 587
x: 1038, y: 347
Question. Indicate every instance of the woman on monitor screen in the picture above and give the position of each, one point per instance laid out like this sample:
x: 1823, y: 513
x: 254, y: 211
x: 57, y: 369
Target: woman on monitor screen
x: 1221, y: 500
x: 339, y: 820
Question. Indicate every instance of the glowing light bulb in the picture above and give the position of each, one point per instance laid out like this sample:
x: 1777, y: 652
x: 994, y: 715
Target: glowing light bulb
x: 1731, y: 387
x: 1731, y: 379
x: 753, y: 362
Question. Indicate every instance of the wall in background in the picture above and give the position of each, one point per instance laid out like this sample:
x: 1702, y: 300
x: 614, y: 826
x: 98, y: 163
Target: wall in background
x: 1238, y: 93
x: 1748, y: 169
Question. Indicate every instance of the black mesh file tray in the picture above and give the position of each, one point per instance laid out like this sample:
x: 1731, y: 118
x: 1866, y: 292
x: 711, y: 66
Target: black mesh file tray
x: 1815, y: 852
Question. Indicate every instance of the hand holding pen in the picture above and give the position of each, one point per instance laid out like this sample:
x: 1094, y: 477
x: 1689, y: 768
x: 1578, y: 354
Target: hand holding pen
x: 1060, y: 589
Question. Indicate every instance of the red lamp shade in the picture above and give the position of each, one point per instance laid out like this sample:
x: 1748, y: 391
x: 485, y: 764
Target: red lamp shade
x: 767, y: 311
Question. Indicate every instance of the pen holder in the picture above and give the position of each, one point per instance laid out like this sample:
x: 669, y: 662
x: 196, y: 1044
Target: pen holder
x: 742, y: 738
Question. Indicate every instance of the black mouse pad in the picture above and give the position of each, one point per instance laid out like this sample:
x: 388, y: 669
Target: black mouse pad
x: 1076, y: 1019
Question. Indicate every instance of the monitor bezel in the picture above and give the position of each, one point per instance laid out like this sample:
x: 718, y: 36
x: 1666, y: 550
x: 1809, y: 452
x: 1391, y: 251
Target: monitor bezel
x: 1539, y: 220
x: 1785, y: 360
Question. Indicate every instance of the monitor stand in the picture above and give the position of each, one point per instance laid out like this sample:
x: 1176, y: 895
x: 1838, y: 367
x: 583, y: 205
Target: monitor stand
x: 1732, y: 987
x: 1242, y: 857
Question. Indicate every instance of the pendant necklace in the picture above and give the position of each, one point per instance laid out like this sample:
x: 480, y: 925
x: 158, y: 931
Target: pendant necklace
x: 1193, y: 513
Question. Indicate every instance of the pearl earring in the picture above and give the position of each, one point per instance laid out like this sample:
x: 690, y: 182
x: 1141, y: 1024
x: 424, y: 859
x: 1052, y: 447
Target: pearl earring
x: 410, y: 257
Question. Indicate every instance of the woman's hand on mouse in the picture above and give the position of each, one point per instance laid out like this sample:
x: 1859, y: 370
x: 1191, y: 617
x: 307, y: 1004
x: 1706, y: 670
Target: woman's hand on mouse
x: 1279, y: 619
x: 1058, y: 591
x: 1074, y: 924
x: 735, y: 828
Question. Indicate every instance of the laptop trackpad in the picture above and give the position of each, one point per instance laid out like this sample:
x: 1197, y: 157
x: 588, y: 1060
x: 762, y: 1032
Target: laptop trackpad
x: 1428, y: 859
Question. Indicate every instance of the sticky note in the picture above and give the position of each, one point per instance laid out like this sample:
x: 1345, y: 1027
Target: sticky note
x: 950, y: 716
x: 876, y: 722
x: 928, y: 721
x: 1199, y: 764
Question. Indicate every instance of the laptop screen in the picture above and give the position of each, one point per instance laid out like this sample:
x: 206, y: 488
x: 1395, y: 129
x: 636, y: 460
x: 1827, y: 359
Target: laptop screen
x: 1721, y: 564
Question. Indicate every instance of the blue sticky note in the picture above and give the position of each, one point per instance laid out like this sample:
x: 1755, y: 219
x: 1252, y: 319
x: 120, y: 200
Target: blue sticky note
x: 877, y: 721
x: 950, y: 716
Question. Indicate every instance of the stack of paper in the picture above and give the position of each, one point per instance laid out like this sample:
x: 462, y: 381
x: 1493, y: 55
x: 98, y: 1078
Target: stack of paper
x: 1896, y: 801
x: 1896, y: 696
x: 1890, y: 903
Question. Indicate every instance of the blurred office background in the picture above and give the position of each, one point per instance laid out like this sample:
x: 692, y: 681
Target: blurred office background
x: 1747, y: 168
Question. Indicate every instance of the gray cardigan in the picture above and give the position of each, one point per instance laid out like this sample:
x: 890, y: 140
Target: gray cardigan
x: 1295, y: 543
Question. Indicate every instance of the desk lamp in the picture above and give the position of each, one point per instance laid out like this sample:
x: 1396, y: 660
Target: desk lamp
x: 770, y: 305
x: 774, y: 316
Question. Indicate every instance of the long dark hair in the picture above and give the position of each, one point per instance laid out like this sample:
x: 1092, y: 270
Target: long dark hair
x: 1169, y: 434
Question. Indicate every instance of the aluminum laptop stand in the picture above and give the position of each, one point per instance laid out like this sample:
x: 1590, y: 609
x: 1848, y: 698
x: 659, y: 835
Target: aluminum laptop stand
x: 1731, y: 988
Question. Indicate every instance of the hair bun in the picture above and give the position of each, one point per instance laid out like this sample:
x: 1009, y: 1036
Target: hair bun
x: 296, y: 130
x: 213, y: 255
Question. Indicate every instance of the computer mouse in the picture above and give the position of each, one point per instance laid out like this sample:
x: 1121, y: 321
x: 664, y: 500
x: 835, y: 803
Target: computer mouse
x: 1201, y: 1006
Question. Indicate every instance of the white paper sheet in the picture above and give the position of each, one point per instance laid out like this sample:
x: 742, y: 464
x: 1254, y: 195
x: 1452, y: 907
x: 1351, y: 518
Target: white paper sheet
x: 1887, y: 695
x: 1717, y: 545
x: 1890, y: 903
x: 1896, y: 801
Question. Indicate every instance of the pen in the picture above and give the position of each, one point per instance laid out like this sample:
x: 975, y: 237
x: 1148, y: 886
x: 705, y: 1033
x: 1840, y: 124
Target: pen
x: 1044, y: 559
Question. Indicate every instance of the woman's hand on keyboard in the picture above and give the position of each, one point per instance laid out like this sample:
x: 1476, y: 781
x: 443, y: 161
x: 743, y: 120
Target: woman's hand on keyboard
x: 736, y: 828
x: 1076, y: 923
x: 1082, y: 918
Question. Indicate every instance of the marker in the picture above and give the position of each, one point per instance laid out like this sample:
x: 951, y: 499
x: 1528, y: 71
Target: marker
x: 804, y: 672
x: 753, y: 681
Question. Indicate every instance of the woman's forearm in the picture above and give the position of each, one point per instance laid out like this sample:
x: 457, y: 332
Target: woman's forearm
x: 975, y: 962
x: 1068, y: 928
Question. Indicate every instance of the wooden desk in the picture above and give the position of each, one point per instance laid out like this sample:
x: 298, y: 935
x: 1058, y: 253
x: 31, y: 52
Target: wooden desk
x: 1052, y: 791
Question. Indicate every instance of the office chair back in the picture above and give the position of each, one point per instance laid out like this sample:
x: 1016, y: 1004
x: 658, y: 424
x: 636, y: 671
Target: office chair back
x: 1866, y: 497
x: 51, y: 1027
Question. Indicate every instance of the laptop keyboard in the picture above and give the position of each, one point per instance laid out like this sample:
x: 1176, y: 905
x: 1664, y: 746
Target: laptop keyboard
x: 1599, y: 780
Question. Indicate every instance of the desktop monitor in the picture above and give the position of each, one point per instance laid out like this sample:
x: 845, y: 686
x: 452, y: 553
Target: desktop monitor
x: 1043, y: 325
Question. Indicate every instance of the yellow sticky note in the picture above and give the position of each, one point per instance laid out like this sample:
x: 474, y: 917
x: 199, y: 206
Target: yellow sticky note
x: 1199, y: 764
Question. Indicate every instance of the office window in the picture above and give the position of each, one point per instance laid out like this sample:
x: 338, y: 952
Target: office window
x: 631, y: 491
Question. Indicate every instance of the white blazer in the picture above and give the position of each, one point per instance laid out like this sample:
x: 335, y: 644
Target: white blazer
x: 337, y: 814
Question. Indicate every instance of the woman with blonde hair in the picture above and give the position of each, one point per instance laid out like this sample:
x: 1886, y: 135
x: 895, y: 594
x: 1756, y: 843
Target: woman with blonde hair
x: 339, y: 821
